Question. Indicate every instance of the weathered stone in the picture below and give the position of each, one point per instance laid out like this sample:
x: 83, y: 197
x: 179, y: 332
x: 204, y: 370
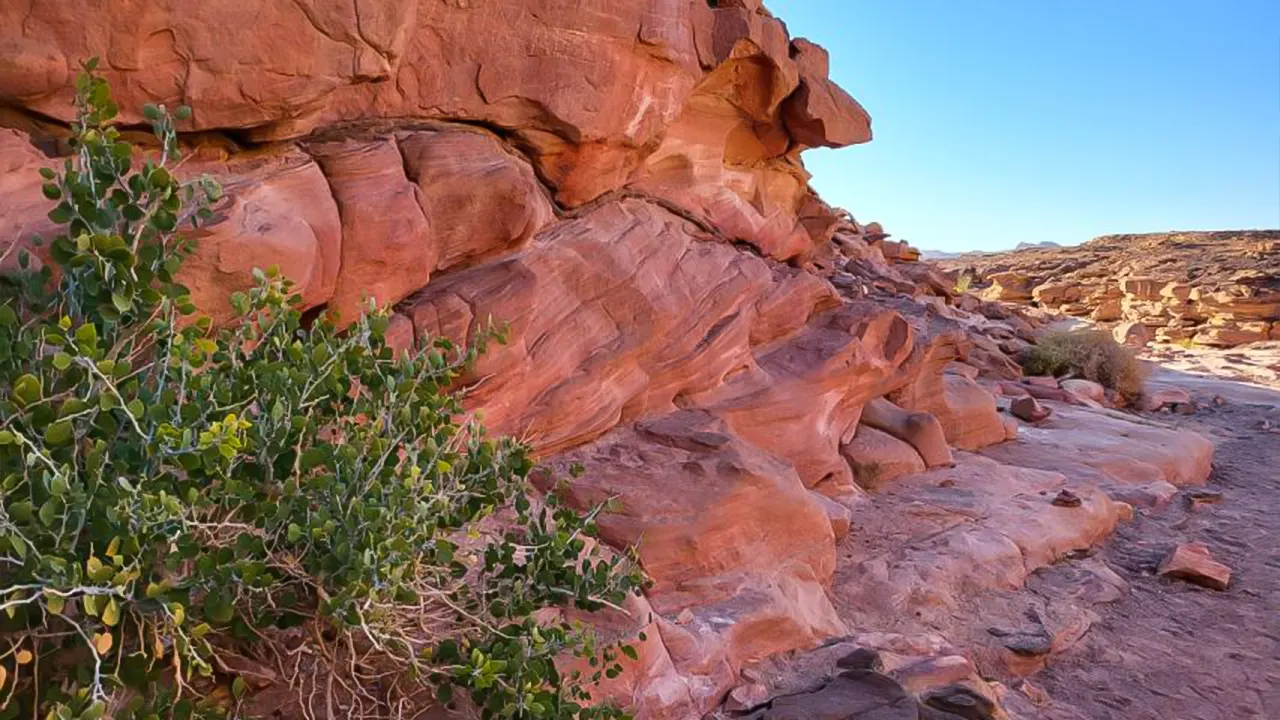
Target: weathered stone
x: 920, y: 430
x: 1132, y: 334
x: 1067, y: 499
x: 1086, y: 389
x: 854, y: 694
x: 1108, y: 448
x: 1194, y: 563
x: 838, y: 514
x: 877, y: 457
x: 1158, y: 399
x: 1027, y: 409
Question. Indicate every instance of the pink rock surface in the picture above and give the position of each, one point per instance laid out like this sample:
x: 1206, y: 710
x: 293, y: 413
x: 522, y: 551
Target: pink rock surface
x: 1110, y: 448
x: 877, y: 457
x: 1194, y: 563
x: 944, y: 535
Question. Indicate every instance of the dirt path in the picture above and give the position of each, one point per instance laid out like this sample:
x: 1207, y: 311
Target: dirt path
x: 1173, y: 651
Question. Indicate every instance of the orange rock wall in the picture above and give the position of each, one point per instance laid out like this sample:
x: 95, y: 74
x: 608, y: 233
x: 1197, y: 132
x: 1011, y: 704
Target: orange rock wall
x: 619, y: 182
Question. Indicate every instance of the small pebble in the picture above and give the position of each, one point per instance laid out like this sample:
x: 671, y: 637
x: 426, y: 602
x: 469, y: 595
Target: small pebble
x: 1067, y: 499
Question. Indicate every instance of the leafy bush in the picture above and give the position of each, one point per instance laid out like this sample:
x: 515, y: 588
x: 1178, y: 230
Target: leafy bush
x: 181, y: 502
x: 1090, y: 354
x: 964, y: 283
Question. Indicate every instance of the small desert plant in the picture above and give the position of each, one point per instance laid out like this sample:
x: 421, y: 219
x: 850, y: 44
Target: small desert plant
x: 1090, y: 354
x: 181, y: 503
x: 963, y: 283
x: 869, y: 474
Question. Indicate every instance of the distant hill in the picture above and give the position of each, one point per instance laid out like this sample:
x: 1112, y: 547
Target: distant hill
x: 1211, y: 288
x: 938, y: 255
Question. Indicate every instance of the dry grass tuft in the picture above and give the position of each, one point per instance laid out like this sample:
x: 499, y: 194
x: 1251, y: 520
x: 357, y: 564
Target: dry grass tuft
x: 1090, y: 354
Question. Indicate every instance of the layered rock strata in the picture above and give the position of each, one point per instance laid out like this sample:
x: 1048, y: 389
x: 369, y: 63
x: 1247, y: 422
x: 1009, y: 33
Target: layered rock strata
x: 1217, y: 289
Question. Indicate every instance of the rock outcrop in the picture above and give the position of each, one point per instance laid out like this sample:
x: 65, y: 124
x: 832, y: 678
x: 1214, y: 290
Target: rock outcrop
x: 1218, y: 289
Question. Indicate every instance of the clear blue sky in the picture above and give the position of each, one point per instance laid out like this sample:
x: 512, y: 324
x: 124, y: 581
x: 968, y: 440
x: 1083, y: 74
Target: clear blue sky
x: 1003, y: 121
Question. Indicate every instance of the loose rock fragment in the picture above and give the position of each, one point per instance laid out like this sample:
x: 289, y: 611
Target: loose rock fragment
x: 1067, y: 499
x: 1195, y: 564
x: 1029, y: 410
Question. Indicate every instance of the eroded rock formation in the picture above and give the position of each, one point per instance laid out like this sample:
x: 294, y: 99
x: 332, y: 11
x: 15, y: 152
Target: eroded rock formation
x: 1218, y: 289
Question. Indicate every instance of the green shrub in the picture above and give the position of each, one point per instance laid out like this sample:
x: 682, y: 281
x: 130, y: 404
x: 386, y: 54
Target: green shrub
x: 1090, y: 354
x: 964, y: 283
x: 177, y: 497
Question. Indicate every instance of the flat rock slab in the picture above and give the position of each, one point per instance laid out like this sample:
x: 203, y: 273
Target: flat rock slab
x: 854, y: 695
x: 920, y: 550
x: 1108, y: 447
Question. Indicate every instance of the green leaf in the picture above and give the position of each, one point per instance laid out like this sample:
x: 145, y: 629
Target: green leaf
x: 49, y: 512
x: 159, y: 177
x: 87, y: 334
x: 218, y: 609
x: 121, y: 303
x: 8, y: 318
x: 98, y: 571
x: 60, y: 215
x: 59, y: 434
x: 111, y: 613
x: 27, y: 390
x: 22, y: 511
x: 61, y: 361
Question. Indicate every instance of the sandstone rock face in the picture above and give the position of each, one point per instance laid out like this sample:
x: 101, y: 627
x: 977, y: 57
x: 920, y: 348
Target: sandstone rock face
x: 950, y: 533
x: 587, y: 177
x: 23, y: 219
x: 877, y: 457
x: 921, y: 431
x: 1106, y: 448
x: 1219, y: 289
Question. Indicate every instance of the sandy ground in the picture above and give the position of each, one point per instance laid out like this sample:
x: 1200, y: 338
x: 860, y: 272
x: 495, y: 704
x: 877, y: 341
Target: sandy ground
x: 1253, y: 366
x: 1174, y: 651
